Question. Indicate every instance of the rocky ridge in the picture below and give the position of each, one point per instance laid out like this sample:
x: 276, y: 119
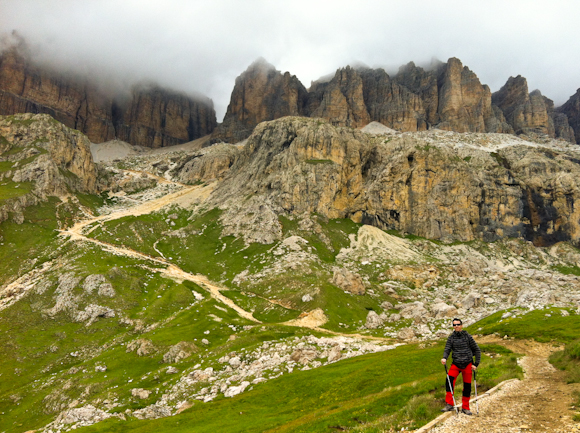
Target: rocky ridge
x: 44, y: 156
x: 150, y: 116
x: 435, y: 184
x: 260, y: 93
x: 448, y: 96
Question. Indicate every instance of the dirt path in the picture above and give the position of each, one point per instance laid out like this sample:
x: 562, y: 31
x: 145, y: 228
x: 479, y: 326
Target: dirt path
x: 539, y: 403
x: 79, y: 231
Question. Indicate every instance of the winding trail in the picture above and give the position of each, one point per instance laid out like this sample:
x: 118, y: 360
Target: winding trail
x: 539, y: 403
x: 79, y: 231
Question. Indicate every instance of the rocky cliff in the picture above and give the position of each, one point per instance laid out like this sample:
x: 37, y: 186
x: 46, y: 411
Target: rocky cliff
x: 155, y: 117
x: 260, y: 93
x: 440, y: 185
x: 341, y: 100
x: 448, y: 96
x: 40, y: 157
x: 571, y: 109
x: 151, y: 117
x: 28, y: 89
x: 524, y: 111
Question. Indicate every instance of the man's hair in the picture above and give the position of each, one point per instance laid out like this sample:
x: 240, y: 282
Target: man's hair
x: 457, y: 320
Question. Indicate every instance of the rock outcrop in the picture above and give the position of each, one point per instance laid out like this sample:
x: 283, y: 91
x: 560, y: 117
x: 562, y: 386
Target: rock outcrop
x: 392, y: 104
x: 524, y: 111
x: 43, y: 153
x: 155, y: 117
x: 151, y: 117
x: 28, y: 89
x: 464, y: 103
x: 432, y: 184
x: 342, y: 102
x: 260, y: 93
x: 562, y: 128
x: 572, y: 111
x: 447, y: 96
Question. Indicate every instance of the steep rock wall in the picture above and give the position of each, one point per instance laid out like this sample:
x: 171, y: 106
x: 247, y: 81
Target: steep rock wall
x: 260, y: 93
x: 152, y: 117
x: 431, y: 184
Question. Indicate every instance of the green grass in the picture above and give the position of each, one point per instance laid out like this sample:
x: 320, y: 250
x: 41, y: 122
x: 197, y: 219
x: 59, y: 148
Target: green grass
x: 532, y: 325
x: 567, y: 270
x: 569, y: 360
x: 9, y: 189
x: 343, y: 395
x: 318, y: 161
x: 34, y: 239
x: 5, y: 165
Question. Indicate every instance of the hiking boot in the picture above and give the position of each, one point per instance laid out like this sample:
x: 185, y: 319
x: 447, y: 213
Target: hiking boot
x: 447, y: 407
x: 466, y: 411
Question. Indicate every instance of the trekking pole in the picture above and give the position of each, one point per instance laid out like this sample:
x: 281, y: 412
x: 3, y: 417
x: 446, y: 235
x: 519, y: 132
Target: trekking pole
x: 475, y: 384
x: 452, y: 390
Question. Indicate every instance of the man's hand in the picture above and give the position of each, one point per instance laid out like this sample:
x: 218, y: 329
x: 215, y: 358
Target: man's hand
x: 474, y: 367
x: 443, y: 361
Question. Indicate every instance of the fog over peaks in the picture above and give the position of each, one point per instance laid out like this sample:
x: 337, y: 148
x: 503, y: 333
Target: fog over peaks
x: 196, y: 46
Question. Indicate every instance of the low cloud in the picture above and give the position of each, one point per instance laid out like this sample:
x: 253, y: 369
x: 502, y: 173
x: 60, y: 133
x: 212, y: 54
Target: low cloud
x: 197, y: 46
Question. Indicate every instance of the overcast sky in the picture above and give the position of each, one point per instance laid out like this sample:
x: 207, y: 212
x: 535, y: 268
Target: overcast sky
x: 201, y: 46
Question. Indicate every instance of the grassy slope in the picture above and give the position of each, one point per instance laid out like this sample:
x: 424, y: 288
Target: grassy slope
x: 541, y: 325
x: 202, y: 249
x: 42, y: 374
x: 345, y: 394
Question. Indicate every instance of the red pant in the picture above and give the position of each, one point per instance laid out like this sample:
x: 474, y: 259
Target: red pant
x: 453, y: 373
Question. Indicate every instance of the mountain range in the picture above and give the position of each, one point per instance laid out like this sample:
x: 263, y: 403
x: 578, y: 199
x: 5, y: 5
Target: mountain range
x: 446, y: 96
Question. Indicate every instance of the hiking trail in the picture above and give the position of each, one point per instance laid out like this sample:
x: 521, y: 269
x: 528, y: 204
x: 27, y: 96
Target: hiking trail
x: 541, y: 402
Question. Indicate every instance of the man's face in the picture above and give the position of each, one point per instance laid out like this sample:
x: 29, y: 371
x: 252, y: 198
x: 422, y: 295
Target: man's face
x: 457, y: 326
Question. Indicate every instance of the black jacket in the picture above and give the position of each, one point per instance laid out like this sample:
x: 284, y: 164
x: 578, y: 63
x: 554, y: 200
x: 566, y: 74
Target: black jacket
x: 464, y: 348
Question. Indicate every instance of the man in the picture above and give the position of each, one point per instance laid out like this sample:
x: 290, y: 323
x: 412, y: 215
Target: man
x: 464, y: 348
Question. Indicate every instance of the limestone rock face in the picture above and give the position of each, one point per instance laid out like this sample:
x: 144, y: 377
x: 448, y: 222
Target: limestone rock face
x: 562, y: 128
x: 464, y: 103
x: 28, y: 89
x: 392, y: 104
x: 43, y: 152
x: 432, y: 184
x: 342, y: 102
x: 151, y: 117
x: 210, y: 163
x: 572, y: 110
x: 523, y: 111
x: 155, y: 117
x: 260, y: 93
x: 423, y: 84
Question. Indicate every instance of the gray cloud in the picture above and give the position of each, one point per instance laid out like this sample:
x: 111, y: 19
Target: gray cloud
x: 200, y: 46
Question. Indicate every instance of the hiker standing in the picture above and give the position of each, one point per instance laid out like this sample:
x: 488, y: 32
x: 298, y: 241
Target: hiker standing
x: 464, y: 348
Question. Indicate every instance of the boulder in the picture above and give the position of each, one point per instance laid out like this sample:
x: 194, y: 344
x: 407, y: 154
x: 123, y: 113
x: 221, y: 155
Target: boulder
x: 373, y: 321
x: 235, y: 390
x: 143, y: 347
x: 442, y: 310
x: 406, y: 334
x: 178, y: 352
x: 414, y: 310
x: 348, y: 281
x: 334, y: 354
x: 473, y: 299
x: 154, y: 411
x: 140, y: 393
x: 304, y: 356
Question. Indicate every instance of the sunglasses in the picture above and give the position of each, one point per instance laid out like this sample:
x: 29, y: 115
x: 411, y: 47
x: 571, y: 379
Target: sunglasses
x: 457, y: 324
